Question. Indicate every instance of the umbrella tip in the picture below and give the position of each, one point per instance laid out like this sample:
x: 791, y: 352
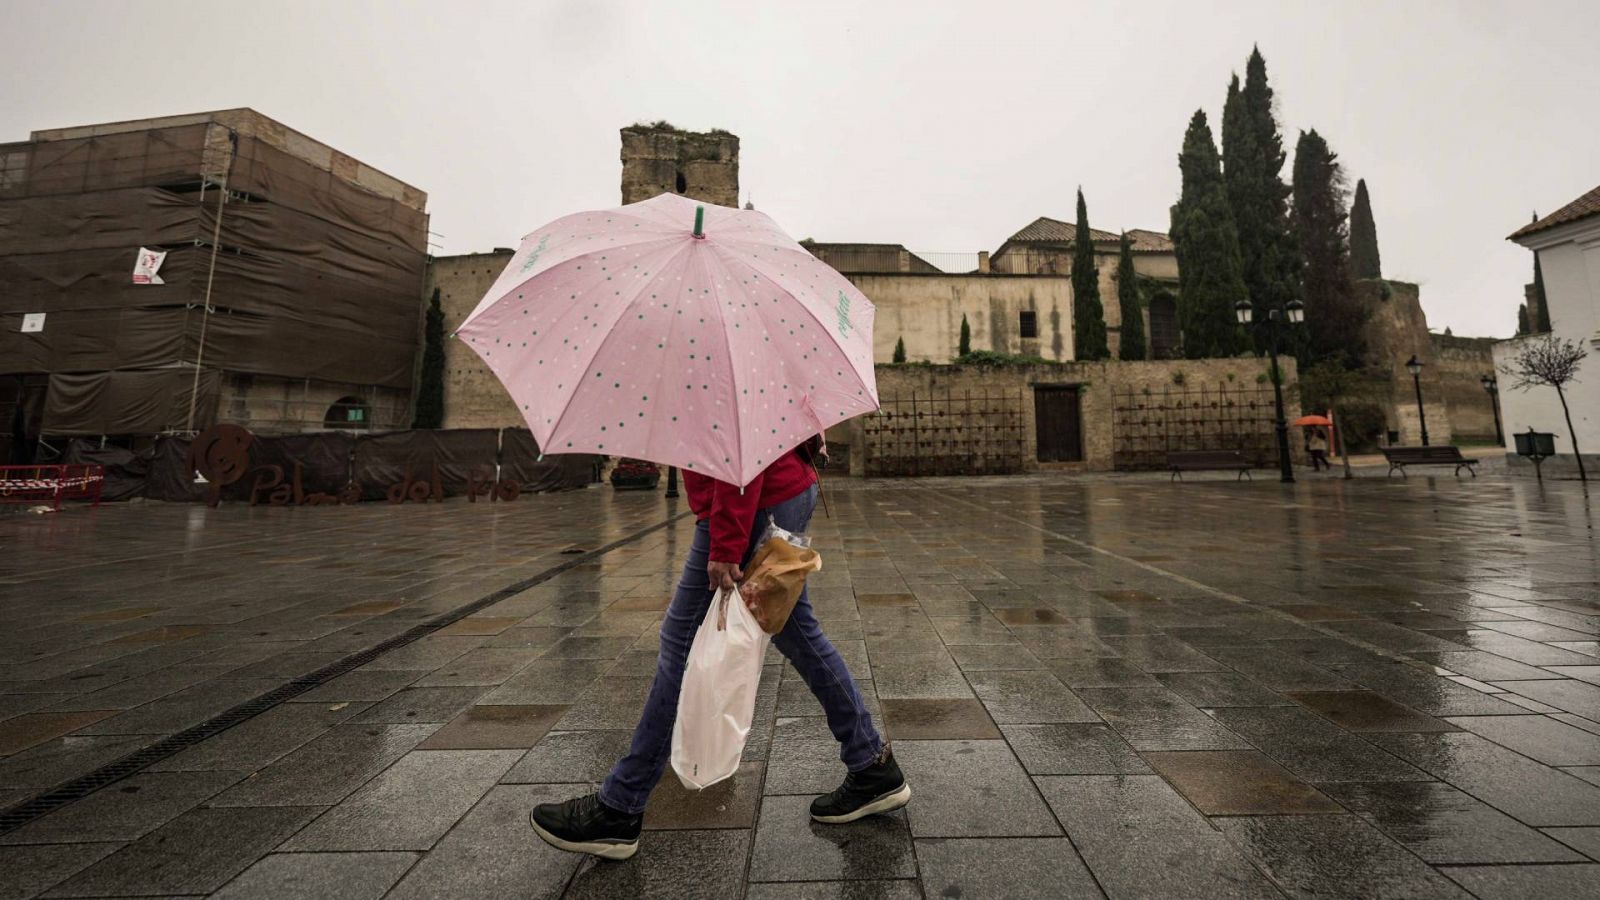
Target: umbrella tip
x: 699, y: 221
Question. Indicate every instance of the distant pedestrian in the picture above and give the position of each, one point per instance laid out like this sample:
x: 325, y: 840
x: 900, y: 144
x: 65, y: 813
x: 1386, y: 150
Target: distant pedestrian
x: 1317, y: 447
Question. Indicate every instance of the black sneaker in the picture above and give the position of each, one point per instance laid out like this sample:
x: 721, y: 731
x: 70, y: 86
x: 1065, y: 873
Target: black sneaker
x: 585, y: 825
x: 879, y: 788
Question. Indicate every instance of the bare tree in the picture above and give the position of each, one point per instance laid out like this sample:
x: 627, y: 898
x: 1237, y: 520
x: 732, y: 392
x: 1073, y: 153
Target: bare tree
x: 1553, y: 362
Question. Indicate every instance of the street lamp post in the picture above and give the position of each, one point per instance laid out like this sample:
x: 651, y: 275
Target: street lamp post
x: 1415, y: 368
x: 672, y: 482
x: 1293, y: 313
x: 1492, y: 386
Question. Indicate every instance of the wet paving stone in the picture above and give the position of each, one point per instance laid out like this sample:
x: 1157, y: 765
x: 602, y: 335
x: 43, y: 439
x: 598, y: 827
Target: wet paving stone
x: 21, y: 732
x: 804, y: 758
x: 195, y: 853
x: 484, y: 666
x: 1362, y: 711
x: 493, y: 852
x: 479, y: 625
x: 1139, y: 838
x: 126, y: 810
x: 1158, y: 719
x: 495, y: 728
x: 570, y: 756
x: 1238, y: 783
x: 419, y: 705
x: 906, y: 889
x: 1073, y: 749
x: 1313, y: 748
x: 408, y: 806
x: 28, y: 871
x: 1277, y: 670
x: 1521, y: 882
x: 610, y: 703
x: 1102, y: 672
x: 1444, y: 825
x: 1161, y: 653
x: 1573, y: 696
x: 918, y: 720
x: 361, y: 685
x: 696, y: 865
x: 294, y: 875
x: 909, y: 680
x: 1042, y: 868
x: 424, y: 654
x: 1426, y: 692
x: 730, y: 803
x: 1028, y: 698
x: 549, y: 681
x: 789, y: 846
x: 1214, y: 689
x: 1534, y: 793
x: 1545, y: 739
x: 1335, y: 856
x: 994, y: 657
x: 325, y: 770
x: 1583, y: 840
x: 971, y: 789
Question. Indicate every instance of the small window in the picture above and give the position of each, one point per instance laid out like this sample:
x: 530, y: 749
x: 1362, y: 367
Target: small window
x: 683, y: 183
x: 1030, y: 324
x: 349, y: 412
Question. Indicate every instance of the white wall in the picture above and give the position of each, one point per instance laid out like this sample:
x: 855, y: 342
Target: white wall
x: 1569, y: 257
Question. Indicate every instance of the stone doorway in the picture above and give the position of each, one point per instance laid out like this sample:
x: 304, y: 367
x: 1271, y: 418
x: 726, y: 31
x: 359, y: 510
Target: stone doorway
x: 1058, y: 421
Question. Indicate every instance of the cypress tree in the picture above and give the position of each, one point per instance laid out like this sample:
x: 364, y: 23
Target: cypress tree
x: 1522, y: 320
x: 900, y: 350
x: 430, y: 381
x: 1253, y: 154
x: 1088, y: 316
x: 1207, y: 244
x: 965, y: 346
x: 1364, y: 262
x: 1334, y: 316
x: 1132, y: 344
x: 1541, y: 316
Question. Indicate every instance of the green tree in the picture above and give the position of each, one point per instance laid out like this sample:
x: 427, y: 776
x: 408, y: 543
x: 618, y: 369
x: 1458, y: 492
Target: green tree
x: 1330, y: 386
x: 1522, y: 319
x: 1334, y: 316
x: 1132, y: 344
x: 900, y: 350
x: 1088, y: 316
x: 1207, y: 244
x: 1541, y: 315
x: 1253, y: 158
x: 1364, y: 260
x: 965, y: 345
x: 430, y: 381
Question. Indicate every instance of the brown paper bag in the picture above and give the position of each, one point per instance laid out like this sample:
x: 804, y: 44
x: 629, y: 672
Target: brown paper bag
x: 774, y: 579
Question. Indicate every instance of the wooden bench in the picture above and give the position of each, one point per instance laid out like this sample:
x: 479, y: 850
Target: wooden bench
x: 1181, y: 461
x: 1400, y: 457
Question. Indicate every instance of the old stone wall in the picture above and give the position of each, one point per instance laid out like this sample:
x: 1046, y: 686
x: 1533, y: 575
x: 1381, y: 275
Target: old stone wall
x: 1048, y: 259
x: 1461, y: 364
x: 661, y: 160
x: 1396, y: 330
x: 269, y: 405
x: 1116, y: 400
x: 473, y: 397
x: 926, y: 311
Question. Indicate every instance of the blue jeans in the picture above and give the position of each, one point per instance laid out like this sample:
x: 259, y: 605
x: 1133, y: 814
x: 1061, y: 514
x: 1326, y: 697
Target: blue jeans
x: 632, y: 779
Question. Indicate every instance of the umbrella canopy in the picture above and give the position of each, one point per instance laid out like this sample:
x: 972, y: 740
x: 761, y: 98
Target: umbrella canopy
x: 633, y: 332
x: 1313, y: 420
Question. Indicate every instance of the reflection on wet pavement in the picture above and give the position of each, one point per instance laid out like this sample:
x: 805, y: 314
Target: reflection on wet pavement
x: 1136, y: 689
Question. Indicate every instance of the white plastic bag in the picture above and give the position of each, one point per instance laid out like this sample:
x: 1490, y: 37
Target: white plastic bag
x: 718, y: 698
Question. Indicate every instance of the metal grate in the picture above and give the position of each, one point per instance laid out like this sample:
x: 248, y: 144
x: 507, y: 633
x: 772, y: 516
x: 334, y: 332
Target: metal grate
x: 1146, y: 423
x: 947, y: 433
x: 84, y: 785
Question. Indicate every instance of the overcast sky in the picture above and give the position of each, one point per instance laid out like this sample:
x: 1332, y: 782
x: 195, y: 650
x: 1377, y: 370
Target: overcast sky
x: 943, y: 126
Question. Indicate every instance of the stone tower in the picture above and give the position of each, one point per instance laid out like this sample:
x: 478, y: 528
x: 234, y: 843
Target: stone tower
x: 658, y: 159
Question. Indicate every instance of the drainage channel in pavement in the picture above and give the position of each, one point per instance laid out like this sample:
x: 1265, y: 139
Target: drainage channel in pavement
x: 116, y: 770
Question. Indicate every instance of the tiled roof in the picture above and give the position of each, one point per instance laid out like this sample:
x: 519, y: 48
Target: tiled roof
x: 1581, y: 208
x: 1046, y: 230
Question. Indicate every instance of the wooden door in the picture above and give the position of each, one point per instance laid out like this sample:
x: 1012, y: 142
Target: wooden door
x: 1058, y: 423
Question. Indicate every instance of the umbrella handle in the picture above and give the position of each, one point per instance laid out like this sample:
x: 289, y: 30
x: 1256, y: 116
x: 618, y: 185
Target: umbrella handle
x: 699, y: 221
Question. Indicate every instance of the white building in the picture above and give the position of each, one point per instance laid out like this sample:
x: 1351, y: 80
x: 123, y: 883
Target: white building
x: 1568, y: 244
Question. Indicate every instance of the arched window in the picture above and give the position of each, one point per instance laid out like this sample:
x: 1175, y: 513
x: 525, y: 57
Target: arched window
x: 348, y: 412
x: 1163, y: 326
x: 683, y: 183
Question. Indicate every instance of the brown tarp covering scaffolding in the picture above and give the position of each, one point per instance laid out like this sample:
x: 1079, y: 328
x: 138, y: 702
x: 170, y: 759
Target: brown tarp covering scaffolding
x: 384, y: 459
x: 315, y: 277
x: 124, y: 402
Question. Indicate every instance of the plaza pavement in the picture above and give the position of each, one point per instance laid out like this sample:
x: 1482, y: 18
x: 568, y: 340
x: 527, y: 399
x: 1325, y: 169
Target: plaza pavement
x: 1099, y: 686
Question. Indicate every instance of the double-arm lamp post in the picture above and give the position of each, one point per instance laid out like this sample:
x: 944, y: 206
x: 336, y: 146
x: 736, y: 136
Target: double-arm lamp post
x: 1292, y: 313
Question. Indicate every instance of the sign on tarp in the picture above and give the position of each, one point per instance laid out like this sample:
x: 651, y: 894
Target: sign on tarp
x: 148, y: 264
x: 32, y: 322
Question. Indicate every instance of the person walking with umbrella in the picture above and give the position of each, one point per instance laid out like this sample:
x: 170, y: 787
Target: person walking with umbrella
x: 718, y: 350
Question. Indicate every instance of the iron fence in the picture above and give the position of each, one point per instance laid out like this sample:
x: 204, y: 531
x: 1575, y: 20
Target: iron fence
x: 947, y: 433
x: 1147, y: 423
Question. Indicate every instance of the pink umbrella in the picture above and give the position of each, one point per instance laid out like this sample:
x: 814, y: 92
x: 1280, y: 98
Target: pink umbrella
x: 637, y: 332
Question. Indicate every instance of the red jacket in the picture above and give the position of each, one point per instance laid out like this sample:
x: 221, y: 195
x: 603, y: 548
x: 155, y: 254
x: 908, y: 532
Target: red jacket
x: 732, y: 513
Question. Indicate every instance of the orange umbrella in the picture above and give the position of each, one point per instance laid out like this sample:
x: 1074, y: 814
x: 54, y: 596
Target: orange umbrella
x: 1313, y: 420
